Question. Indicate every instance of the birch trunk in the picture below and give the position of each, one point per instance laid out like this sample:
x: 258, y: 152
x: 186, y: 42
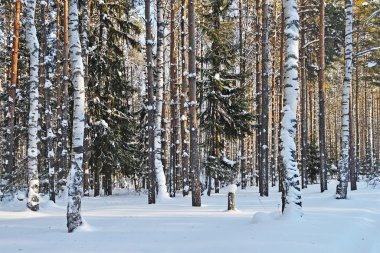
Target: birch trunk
x: 341, y: 189
x: 75, y: 179
x: 292, y: 199
x: 159, y: 169
x: 194, y: 149
x: 33, y: 48
x: 84, y: 4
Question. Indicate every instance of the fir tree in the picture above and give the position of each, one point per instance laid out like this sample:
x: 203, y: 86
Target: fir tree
x: 225, y: 104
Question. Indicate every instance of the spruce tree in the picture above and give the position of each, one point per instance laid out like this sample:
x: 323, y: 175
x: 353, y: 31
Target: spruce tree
x: 225, y: 110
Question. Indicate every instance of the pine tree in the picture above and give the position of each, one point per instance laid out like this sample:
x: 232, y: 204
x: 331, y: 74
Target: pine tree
x: 226, y: 114
x: 194, y: 149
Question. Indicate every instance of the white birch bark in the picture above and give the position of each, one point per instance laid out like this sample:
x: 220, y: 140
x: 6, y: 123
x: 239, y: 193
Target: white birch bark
x: 75, y: 188
x: 160, y: 175
x: 33, y: 47
x: 341, y: 190
x: 291, y: 184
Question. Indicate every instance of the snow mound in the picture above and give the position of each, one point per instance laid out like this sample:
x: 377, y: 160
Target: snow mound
x: 263, y: 217
x: 85, y: 227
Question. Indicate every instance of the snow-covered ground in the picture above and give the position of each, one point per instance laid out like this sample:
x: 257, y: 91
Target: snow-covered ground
x: 126, y: 223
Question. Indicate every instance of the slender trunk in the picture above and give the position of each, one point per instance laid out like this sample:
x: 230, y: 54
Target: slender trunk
x: 173, y: 104
x: 258, y: 97
x: 63, y: 128
x: 303, y: 102
x: 280, y: 169
x: 352, y: 158
x: 243, y: 158
x: 194, y: 150
x: 150, y: 105
x: 33, y: 47
x: 84, y: 5
x: 341, y: 190
x: 58, y: 87
x: 10, y: 136
x: 75, y: 179
x: 265, y: 98
x: 274, y: 96
x: 292, y: 198
x: 45, y: 72
x: 159, y: 170
x: 321, y: 86
x: 183, y: 110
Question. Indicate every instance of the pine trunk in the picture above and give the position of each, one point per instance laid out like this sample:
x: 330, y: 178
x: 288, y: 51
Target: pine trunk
x: 194, y: 151
x: 341, y: 190
x: 64, y: 117
x: 280, y: 169
x: 150, y: 105
x: 10, y: 136
x: 183, y: 108
x: 173, y: 105
x: 304, y: 144
x: 274, y: 129
x: 75, y: 179
x: 265, y: 100
x: 33, y: 48
x: 45, y: 73
x: 321, y: 89
x: 241, y: 69
x: 258, y: 98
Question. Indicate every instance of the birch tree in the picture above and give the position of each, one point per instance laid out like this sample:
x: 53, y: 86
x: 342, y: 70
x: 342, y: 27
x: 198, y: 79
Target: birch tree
x: 33, y: 48
x: 75, y: 180
x: 341, y: 189
x: 159, y: 169
x: 291, y: 185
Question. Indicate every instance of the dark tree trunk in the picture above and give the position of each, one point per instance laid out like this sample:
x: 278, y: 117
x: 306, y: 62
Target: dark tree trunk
x: 194, y: 150
x: 280, y: 169
x: 243, y: 159
x: 173, y: 105
x: 10, y: 136
x: 258, y: 98
x: 304, y: 144
x: 231, y: 201
x: 150, y: 80
x: 321, y: 86
x: 64, y: 122
x: 183, y: 110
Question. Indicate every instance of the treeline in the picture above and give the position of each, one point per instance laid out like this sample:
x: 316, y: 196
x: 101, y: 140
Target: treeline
x: 184, y: 96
